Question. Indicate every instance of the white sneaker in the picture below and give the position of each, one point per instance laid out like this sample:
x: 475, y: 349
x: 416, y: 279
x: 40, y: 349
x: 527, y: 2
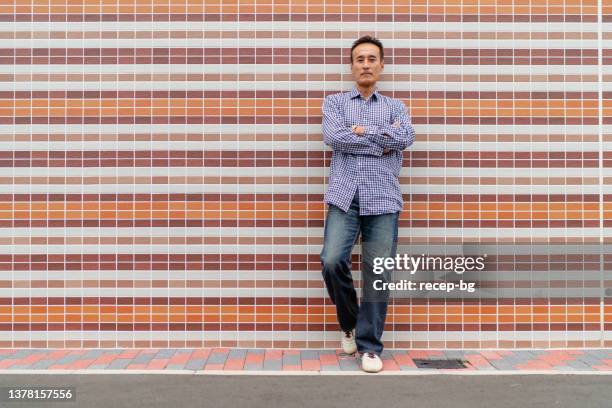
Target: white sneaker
x: 348, y: 342
x: 371, y: 363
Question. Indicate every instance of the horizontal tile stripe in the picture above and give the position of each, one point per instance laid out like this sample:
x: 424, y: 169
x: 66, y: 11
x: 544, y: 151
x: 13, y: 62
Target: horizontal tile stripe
x: 260, y: 158
x: 498, y: 137
x: 176, y: 79
x: 230, y: 262
x: 300, y: 327
x: 554, y: 184
x: 533, y: 14
x: 414, y: 56
x: 518, y: 302
x: 129, y: 119
x: 300, y: 223
x: 216, y: 98
x: 298, y: 200
x: 239, y: 237
x: 270, y: 33
x: 284, y: 154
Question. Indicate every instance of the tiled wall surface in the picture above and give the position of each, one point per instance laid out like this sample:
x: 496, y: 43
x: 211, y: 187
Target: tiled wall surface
x: 163, y: 169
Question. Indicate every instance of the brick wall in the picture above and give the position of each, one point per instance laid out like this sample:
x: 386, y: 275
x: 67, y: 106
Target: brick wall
x: 163, y: 169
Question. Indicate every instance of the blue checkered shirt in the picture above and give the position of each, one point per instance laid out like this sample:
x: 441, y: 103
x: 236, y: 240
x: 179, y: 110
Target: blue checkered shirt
x: 359, y: 163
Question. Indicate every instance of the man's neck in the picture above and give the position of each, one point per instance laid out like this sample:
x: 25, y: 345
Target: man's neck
x: 366, y: 92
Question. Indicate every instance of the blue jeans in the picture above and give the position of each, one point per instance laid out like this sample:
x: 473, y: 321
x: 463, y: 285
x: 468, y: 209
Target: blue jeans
x: 379, y: 239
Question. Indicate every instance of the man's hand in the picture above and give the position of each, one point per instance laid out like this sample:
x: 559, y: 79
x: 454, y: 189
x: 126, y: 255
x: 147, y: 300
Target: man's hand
x: 359, y: 130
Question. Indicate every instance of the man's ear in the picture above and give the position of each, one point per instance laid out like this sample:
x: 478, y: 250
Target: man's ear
x: 382, y: 65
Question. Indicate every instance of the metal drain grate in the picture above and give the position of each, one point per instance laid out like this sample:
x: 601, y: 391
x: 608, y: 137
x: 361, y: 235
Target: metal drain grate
x: 439, y: 363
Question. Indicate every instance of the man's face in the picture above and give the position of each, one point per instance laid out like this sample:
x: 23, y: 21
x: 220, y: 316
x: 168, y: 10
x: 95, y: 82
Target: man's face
x: 367, y: 65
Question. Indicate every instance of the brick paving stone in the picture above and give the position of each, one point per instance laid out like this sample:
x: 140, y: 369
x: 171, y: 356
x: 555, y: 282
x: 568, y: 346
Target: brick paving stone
x: 274, y: 365
x: 349, y: 364
x: 166, y: 353
x: 577, y: 365
x: 93, y: 354
x: 42, y: 364
x: 291, y: 359
x: 119, y: 363
x: 330, y: 368
x: 235, y: 359
x: 311, y: 365
x: 71, y: 358
x: 217, y: 357
x: 458, y: 354
x: 157, y: 364
x: 328, y: 359
x: 309, y: 354
x: 195, y: 364
x: 599, y: 353
x: 143, y: 358
x: 98, y: 366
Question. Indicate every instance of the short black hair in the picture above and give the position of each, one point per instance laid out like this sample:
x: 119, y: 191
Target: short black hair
x: 371, y: 40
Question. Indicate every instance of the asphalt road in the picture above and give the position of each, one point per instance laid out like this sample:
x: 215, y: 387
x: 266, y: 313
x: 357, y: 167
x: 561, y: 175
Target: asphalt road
x: 435, y: 391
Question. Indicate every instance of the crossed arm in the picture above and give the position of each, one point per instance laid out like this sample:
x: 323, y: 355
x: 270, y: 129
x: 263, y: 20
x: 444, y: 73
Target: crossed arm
x: 369, y: 140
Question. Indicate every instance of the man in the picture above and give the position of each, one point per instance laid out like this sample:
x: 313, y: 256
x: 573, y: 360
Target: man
x: 367, y: 132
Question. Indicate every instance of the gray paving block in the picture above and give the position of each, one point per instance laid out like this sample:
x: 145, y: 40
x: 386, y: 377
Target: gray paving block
x: 256, y: 351
x: 166, y: 353
x: 19, y: 367
x: 482, y: 368
x: 349, y: 364
x: 237, y: 353
x: 93, y: 354
x: 578, y: 365
x: 503, y: 365
x: 253, y: 366
x: 603, y: 354
x: 408, y: 368
x: 330, y: 368
x: 42, y: 364
x: 97, y: 367
x: 195, y: 364
x: 459, y: 354
x: 21, y: 354
x: 273, y: 365
x: 292, y: 360
x: 119, y: 363
x: 217, y: 358
x: 68, y: 359
x: 175, y: 366
x: 309, y: 354
x: 589, y: 359
x: 143, y: 358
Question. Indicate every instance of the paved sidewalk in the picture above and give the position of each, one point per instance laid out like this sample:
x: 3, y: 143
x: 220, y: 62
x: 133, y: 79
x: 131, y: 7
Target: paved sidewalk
x: 275, y: 360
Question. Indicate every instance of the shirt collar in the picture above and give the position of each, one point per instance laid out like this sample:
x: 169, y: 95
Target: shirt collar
x: 355, y: 93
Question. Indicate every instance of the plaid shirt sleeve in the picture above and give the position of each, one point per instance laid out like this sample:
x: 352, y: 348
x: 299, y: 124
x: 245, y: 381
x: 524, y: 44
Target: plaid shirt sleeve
x: 340, y: 137
x: 397, y: 136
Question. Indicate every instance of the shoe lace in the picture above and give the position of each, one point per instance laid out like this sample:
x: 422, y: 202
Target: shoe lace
x: 348, y: 334
x: 371, y: 355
